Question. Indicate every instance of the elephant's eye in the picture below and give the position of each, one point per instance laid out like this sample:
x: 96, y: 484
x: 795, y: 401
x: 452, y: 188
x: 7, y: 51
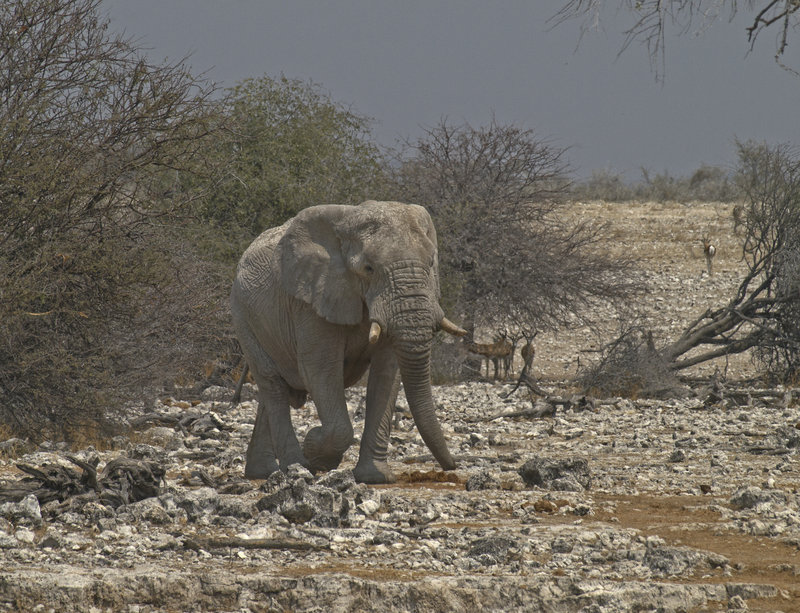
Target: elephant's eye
x: 368, y: 269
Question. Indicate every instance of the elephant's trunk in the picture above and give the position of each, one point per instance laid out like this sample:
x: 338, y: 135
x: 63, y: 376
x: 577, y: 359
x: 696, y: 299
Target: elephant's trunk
x: 415, y: 372
x: 405, y: 307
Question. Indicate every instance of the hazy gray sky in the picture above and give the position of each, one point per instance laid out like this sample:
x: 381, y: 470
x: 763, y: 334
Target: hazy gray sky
x: 409, y: 63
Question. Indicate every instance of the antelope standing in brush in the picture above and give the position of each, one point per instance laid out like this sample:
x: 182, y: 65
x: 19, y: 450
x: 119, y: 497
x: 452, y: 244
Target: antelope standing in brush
x: 499, y: 353
x: 528, y: 352
x: 738, y: 215
x: 708, y: 250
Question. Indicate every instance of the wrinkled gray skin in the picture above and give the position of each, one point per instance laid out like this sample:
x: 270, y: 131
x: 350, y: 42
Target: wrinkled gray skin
x: 304, y: 298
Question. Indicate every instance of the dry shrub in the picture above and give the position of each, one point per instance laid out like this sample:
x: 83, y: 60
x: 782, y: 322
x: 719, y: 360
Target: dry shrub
x: 605, y: 185
x: 630, y: 366
x: 102, y: 298
x: 122, y: 320
x: 705, y: 184
x: 509, y: 258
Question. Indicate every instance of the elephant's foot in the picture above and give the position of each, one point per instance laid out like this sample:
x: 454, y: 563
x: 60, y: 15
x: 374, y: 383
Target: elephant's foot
x: 324, y: 452
x: 373, y: 471
x: 324, y: 463
x: 260, y: 468
x: 294, y: 458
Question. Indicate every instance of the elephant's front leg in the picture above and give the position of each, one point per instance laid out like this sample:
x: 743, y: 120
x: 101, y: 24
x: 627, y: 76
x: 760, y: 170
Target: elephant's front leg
x: 382, y: 388
x: 321, y: 365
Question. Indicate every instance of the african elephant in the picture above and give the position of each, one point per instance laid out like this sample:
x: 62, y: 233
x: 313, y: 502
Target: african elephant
x: 315, y: 302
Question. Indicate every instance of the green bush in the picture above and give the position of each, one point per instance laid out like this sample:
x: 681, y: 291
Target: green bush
x: 287, y: 146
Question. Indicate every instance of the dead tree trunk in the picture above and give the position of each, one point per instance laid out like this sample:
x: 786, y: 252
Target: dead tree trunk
x: 741, y: 324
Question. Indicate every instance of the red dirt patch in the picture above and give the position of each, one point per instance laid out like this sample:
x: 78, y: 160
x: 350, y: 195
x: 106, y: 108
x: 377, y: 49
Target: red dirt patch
x: 429, y: 476
x: 688, y: 521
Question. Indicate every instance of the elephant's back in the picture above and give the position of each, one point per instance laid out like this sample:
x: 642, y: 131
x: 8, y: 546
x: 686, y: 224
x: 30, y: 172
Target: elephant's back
x: 256, y: 267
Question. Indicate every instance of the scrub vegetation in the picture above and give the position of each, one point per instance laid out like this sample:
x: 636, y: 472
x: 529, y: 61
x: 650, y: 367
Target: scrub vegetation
x: 129, y: 188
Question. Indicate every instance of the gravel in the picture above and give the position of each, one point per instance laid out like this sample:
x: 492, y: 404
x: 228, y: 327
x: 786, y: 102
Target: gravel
x: 635, y: 505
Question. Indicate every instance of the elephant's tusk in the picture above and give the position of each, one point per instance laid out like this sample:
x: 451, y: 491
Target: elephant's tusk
x: 374, y: 332
x: 449, y: 326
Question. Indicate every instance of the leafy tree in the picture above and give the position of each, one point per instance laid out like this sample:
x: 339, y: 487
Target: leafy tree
x: 651, y: 18
x: 100, y: 297
x: 509, y: 259
x: 288, y: 146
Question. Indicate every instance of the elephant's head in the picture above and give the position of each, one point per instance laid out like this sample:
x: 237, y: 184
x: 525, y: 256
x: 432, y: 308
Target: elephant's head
x: 382, y: 256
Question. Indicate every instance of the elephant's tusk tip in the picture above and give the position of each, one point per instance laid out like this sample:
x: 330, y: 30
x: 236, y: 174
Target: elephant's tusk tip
x: 449, y: 326
x: 374, y: 332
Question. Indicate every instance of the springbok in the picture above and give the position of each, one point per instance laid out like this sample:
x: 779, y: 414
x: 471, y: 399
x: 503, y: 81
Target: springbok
x: 738, y: 218
x: 528, y: 353
x: 499, y: 353
x: 709, y: 250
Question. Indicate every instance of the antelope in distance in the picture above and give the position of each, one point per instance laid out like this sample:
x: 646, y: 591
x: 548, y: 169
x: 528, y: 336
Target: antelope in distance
x: 738, y: 215
x: 528, y: 352
x: 708, y: 250
x: 499, y: 353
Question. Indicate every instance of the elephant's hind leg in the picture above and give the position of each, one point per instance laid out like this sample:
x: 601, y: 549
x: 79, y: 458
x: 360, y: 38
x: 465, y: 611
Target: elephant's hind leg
x: 274, y: 440
x: 261, y: 460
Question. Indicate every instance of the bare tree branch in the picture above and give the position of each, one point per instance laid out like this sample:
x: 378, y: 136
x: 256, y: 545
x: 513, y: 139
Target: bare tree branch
x: 510, y: 260
x: 652, y: 18
x: 99, y: 294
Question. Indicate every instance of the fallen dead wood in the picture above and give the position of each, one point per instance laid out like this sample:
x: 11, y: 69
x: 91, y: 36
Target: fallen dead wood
x: 538, y: 411
x: 226, y: 486
x: 196, y: 544
x: 717, y: 392
x: 122, y: 481
x: 200, y: 424
x: 530, y: 383
x: 154, y: 418
x: 546, y: 407
x: 50, y: 482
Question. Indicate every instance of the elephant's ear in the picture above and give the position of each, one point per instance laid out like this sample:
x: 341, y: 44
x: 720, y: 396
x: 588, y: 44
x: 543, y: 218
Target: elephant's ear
x: 313, y: 267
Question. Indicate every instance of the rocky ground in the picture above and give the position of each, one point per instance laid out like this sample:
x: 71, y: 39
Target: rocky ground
x: 603, y: 505
x: 615, y: 505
